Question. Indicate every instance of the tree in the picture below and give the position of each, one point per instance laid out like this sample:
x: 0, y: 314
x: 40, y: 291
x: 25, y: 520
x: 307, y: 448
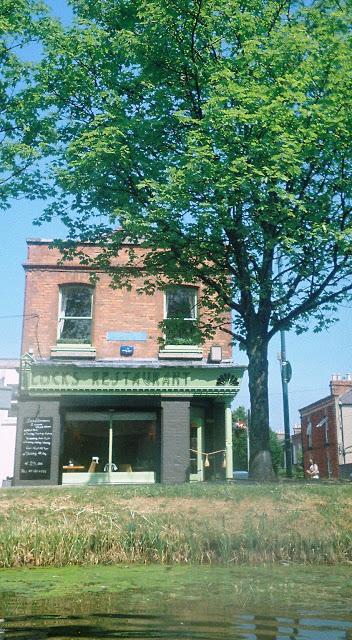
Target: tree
x: 240, y: 445
x: 24, y: 130
x: 276, y: 450
x: 217, y: 134
x: 298, y: 468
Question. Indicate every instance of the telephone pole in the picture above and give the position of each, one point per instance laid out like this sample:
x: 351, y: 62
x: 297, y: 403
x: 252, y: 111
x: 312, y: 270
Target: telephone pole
x: 286, y: 373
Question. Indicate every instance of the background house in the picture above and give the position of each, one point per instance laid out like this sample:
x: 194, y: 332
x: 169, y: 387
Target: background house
x: 296, y: 439
x: 8, y: 415
x: 327, y: 430
x: 345, y: 444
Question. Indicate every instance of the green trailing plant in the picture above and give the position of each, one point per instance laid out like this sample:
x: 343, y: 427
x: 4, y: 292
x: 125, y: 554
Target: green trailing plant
x: 178, y: 331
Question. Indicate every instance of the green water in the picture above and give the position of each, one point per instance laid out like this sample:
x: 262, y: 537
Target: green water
x: 197, y: 603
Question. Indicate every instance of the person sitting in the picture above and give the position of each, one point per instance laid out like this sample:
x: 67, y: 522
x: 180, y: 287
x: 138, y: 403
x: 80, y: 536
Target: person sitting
x: 313, y: 471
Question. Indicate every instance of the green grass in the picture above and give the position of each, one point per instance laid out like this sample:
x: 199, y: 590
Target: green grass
x: 185, y: 524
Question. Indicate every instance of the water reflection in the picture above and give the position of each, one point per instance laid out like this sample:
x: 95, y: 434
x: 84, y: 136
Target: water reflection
x: 200, y: 603
x: 129, y: 625
x: 252, y: 627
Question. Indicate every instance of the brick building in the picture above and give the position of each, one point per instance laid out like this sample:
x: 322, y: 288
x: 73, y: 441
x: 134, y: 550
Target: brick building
x: 327, y: 430
x: 101, y: 400
x: 9, y: 368
x: 296, y: 440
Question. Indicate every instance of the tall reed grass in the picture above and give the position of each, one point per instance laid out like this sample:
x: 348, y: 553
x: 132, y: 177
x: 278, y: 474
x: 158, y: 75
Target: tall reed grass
x: 229, y: 525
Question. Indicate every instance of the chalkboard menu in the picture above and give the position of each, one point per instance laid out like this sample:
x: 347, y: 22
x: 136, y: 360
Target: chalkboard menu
x: 36, y: 449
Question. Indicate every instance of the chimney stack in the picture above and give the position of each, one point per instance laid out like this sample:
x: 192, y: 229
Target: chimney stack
x: 340, y: 385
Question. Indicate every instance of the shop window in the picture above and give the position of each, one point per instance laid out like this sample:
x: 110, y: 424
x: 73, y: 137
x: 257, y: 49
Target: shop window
x: 75, y: 314
x: 181, y: 324
x: 131, y: 445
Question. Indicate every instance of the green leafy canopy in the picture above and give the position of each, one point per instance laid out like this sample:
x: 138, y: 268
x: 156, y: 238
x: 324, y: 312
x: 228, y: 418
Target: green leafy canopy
x: 25, y: 130
x: 220, y: 133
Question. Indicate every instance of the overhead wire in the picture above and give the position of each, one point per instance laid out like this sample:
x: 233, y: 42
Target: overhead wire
x: 28, y: 315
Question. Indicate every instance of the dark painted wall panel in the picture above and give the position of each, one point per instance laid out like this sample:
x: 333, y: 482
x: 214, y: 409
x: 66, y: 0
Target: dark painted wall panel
x: 175, y: 441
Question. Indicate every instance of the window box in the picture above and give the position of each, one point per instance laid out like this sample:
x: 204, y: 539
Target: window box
x: 69, y: 341
x: 181, y: 351
x: 72, y: 350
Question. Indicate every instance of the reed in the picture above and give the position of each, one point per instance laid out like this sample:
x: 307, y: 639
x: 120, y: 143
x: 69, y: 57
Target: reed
x: 224, y: 524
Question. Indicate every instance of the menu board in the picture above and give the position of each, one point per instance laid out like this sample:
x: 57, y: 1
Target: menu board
x: 36, y: 449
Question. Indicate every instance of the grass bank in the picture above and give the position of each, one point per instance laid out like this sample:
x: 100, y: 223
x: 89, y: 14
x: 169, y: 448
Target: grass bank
x: 188, y: 524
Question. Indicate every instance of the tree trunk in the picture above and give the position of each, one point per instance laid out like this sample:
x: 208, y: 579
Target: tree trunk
x: 260, y: 465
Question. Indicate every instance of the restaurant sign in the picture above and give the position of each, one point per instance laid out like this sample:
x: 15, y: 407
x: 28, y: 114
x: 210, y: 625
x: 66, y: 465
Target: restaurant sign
x: 68, y: 379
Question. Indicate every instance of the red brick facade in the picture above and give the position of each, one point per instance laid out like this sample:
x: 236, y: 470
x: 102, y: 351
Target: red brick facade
x: 340, y: 386
x: 101, y: 400
x: 322, y: 432
x: 113, y: 310
x: 322, y: 446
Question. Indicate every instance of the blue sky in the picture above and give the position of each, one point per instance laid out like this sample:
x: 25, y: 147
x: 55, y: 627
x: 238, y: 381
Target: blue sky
x: 314, y: 357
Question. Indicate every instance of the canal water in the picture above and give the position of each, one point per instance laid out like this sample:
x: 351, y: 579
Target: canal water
x: 193, y: 603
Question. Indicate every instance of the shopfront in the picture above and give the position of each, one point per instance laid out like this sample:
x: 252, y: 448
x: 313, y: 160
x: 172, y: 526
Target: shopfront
x: 108, y: 423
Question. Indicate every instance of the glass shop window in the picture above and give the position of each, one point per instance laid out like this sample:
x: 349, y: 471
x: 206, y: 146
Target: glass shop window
x: 75, y: 314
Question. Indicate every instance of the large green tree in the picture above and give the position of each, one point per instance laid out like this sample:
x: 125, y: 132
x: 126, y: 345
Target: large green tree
x: 217, y: 132
x: 24, y: 129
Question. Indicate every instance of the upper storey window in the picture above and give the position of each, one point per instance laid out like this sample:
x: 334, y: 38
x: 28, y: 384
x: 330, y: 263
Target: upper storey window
x: 180, y: 324
x: 181, y: 302
x: 75, y: 314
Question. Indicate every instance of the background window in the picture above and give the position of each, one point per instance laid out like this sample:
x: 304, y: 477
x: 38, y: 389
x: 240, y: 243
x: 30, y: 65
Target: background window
x: 309, y: 434
x: 75, y: 315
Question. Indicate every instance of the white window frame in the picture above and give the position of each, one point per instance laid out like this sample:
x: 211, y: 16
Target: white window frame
x: 61, y: 317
